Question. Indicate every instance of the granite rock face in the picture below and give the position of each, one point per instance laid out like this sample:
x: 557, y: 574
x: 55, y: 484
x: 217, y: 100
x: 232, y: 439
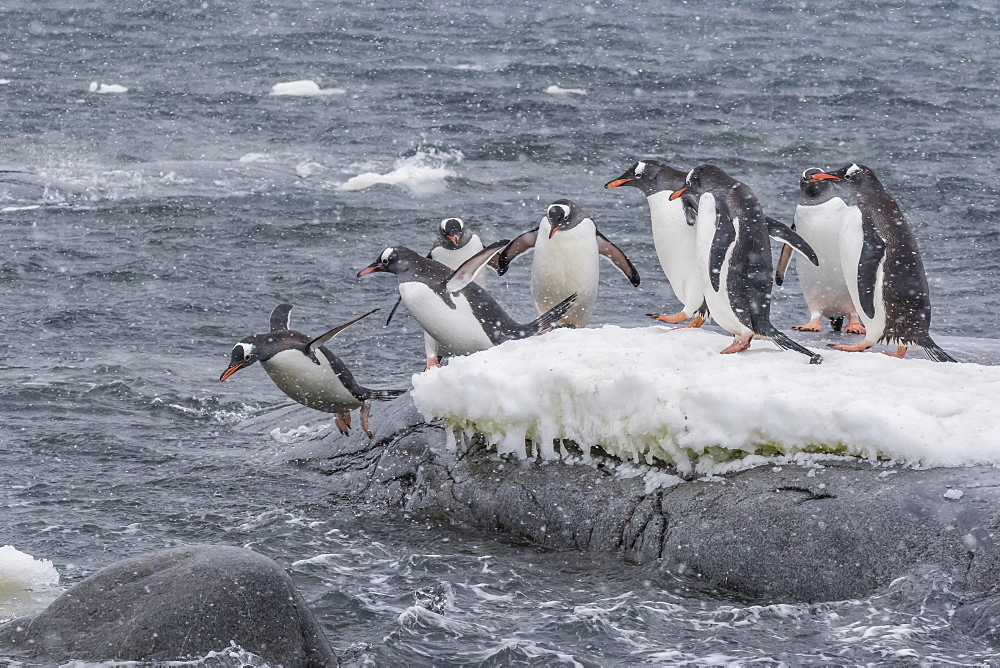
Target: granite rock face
x: 179, y: 603
x: 791, y: 533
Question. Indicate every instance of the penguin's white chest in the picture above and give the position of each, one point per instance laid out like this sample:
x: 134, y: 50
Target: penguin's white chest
x: 676, y: 245
x: 453, y: 259
x: 852, y: 241
x: 564, y: 264
x: 719, y: 301
x: 314, y: 385
x: 456, y: 330
x: 824, y: 287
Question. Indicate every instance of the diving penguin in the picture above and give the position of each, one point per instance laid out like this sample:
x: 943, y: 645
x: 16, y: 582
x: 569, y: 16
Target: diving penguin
x: 885, y: 274
x: 818, y: 219
x: 454, y: 244
x: 567, y: 249
x: 461, y: 316
x: 304, y: 369
x: 673, y: 235
x: 734, y: 257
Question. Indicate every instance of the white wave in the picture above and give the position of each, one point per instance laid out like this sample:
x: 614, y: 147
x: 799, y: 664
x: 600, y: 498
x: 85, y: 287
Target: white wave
x: 650, y: 393
x: 4, y: 82
x: 303, y: 88
x: 298, y: 433
x: 423, y: 173
x: 556, y: 90
x: 104, y: 89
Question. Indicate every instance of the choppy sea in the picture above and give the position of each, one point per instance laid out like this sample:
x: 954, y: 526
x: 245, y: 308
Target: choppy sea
x: 143, y: 232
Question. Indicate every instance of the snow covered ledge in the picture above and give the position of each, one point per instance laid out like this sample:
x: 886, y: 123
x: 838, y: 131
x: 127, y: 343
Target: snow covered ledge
x: 651, y: 394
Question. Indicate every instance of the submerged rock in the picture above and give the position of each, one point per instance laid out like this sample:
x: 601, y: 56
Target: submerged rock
x: 179, y: 603
x: 841, y: 529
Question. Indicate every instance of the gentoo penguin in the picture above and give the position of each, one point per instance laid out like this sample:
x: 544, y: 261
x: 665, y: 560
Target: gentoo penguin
x: 454, y: 244
x: 818, y: 218
x: 461, y: 316
x: 734, y: 256
x: 884, y: 272
x: 304, y: 369
x: 567, y: 249
x: 673, y: 235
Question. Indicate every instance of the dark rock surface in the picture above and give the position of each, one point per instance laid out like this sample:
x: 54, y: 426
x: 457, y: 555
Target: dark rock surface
x: 791, y: 533
x: 178, y: 603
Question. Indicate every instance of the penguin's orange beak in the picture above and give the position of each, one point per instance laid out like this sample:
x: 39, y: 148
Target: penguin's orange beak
x: 230, y: 371
x: 370, y: 269
x: 555, y: 228
x: 617, y: 182
x: 454, y: 239
x: 675, y: 194
x: 815, y: 178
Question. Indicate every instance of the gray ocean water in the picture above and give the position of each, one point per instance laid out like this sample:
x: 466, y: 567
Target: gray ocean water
x: 143, y: 233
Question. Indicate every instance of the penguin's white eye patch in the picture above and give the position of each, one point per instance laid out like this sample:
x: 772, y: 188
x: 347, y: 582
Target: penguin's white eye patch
x: 246, y: 350
x: 806, y: 173
x: 687, y: 179
x: 640, y: 167
x: 386, y: 254
x: 559, y: 207
x: 852, y: 170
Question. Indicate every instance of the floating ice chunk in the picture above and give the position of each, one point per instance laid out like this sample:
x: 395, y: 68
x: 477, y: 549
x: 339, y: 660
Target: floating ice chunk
x: 649, y: 393
x: 303, y: 88
x: 423, y: 173
x: 4, y: 82
x: 103, y: 89
x: 556, y: 90
x: 954, y: 494
x: 22, y: 571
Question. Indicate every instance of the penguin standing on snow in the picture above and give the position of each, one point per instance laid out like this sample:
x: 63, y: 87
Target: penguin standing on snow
x: 454, y: 244
x: 461, y: 316
x: 567, y: 249
x: 734, y: 255
x: 673, y: 236
x: 304, y: 369
x: 885, y: 274
x: 818, y: 219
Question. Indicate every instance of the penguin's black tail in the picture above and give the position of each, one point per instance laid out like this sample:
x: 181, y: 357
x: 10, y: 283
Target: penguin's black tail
x: 385, y: 395
x: 782, y: 341
x: 934, y: 351
x: 547, y: 320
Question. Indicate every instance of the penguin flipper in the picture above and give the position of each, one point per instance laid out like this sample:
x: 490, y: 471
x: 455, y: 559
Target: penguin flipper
x: 468, y: 270
x: 872, y: 252
x: 934, y: 351
x: 547, y: 320
x: 783, y: 260
x: 618, y: 258
x: 323, y: 338
x: 393, y: 311
x: 281, y: 317
x: 781, y: 232
x: 725, y: 236
x: 519, y: 244
x: 781, y: 340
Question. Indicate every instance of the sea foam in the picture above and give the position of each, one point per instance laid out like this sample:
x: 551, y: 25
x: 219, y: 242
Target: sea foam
x: 26, y: 584
x: 104, y: 89
x: 651, y: 394
x: 422, y: 173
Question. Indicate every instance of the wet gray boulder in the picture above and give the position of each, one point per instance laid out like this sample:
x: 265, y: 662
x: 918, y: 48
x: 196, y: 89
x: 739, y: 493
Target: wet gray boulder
x: 843, y: 529
x: 179, y: 603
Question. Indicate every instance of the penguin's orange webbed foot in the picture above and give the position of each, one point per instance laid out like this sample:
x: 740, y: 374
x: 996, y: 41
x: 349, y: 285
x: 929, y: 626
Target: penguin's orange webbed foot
x: 854, y: 326
x: 900, y: 352
x: 739, y: 343
x: 431, y: 363
x: 343, y: 422
x: 811, y: 326
x: 365, y: 410
x: 669, y: 319
x: 853, y: 348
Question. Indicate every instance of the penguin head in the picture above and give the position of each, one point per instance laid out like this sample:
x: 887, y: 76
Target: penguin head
x: 452, y: 233
x: 854, y: 181
x: 244, y: 354
x: 702, y: 179
x: 563, y: 215
x: 388, y: 261
x: 814, y: 188
x: 649, y: 176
